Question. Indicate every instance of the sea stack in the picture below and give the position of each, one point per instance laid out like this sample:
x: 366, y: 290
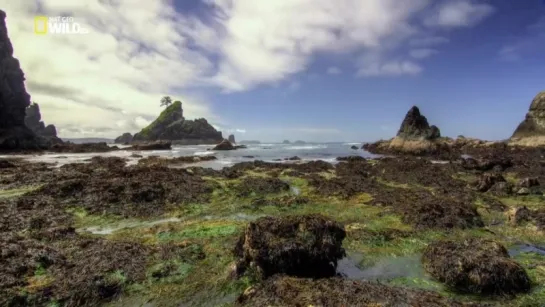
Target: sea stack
x: 231, y: 139
x: 531, y: 131
x: 415, y: 137
x: 14, y: 99
x: 172, y: 126
x: 33, y: 120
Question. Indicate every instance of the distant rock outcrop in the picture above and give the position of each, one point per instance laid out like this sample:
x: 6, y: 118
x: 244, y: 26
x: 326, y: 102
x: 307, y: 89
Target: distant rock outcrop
x: 415, y: 136
x: 286, y: 142
x: 231, y: 138
x: 14, y: 99
x: 531, y: 131
x: 124, y: 138
x: 33, y: 120
x: 249, y: 142
x: 172, y: 126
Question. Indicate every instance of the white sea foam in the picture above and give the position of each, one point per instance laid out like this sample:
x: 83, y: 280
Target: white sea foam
x: 307, y: 147
x: 203, y: 153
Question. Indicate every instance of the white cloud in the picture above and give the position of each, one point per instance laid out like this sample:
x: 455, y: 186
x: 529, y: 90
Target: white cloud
x: 459, y: 13
x: 267, y: 41
x: 334, y: 70
x: 115, y: 75
x: 422, y: 53
x: 135, y: 54
x: 374, y: 64
x: 240, y: 130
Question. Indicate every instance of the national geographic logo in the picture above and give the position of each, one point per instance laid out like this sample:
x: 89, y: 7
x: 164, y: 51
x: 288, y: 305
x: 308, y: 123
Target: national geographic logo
x: 58, y: 25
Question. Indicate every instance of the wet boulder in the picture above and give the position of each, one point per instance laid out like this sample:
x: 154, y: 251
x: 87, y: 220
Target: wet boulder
x: 487, y: 163
x: 354, y: 147
x: 224, y: 145
x: 475, y: 266
x: 502, y: 188
x: 303, y: 246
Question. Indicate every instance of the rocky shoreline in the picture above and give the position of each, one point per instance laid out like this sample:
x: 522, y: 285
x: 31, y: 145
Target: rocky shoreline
x: 215, y: 236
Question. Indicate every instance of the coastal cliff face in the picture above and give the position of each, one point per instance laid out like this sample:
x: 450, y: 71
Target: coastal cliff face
x: 531, y: 131
x: 14, y: 99
x: 172, y: 126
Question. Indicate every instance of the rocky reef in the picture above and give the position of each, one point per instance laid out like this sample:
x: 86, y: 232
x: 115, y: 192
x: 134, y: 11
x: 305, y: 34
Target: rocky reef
x: 124, y: 138
x: 531, y: 131
x: 172, y: 126
x: 33, y: 120
x: 14, y: 99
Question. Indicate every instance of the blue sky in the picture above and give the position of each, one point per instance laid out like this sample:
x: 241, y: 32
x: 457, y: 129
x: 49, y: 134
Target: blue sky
x: 298, y: 69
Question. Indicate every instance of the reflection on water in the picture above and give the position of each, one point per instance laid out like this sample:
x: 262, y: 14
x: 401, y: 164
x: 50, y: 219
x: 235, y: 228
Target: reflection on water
x: 385, y: 269
x: 526, y: 248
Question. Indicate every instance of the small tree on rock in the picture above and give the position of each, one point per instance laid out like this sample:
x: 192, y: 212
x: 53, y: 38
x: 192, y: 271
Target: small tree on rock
x: 166, y: 101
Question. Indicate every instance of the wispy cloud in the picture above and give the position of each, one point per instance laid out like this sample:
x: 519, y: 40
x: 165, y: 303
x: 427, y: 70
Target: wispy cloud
x: 428, y: 41
x: 532, y: 43
x: 422, y: 53
x: 134, y: 54
x: 459, y: 13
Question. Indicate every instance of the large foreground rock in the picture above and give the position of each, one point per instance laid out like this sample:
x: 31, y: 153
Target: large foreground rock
x: 14, y: 99
x: 531, y: 131
x: 172, y: 126
x: 283, y: 291
x: 475, y: 266
x: 304, y: 246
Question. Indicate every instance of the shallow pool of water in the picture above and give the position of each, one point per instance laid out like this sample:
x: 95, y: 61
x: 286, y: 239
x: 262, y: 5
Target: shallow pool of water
x: 386, y: 268
x: 526, y: 248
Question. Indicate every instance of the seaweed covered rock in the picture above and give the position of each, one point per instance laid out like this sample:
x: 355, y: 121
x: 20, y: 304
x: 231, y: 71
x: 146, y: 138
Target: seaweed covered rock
x: 304, y: 246
x: 444, y: 213
x: 487, y: 181
x: 261, y: 186
x: 475, y: 266
x: 487, y: 163
x: 285, y: 291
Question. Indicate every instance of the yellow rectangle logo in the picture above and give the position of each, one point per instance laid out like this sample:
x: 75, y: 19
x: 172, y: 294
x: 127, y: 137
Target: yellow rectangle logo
x: 40, y: 24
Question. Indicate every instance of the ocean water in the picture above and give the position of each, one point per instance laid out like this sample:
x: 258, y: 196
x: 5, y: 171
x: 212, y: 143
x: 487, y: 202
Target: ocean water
x: 267, y: 152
